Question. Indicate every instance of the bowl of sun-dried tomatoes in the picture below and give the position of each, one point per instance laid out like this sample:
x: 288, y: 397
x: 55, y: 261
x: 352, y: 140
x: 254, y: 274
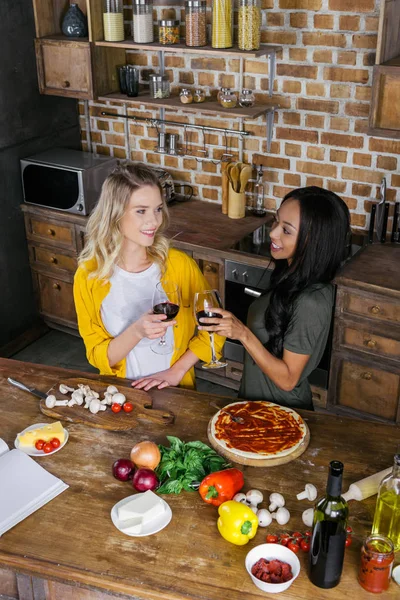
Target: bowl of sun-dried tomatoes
x: 272, y: 567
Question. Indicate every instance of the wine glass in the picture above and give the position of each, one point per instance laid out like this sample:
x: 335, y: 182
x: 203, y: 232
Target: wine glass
x: 166, y: 301
x: 204, y: 302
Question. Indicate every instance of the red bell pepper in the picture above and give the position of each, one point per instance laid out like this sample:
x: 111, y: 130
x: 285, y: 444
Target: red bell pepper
x: 221, y: 486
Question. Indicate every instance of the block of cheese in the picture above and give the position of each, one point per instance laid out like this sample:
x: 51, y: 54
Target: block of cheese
x: 45, y: 433
x: 132, y: 525
x: 146, y: 506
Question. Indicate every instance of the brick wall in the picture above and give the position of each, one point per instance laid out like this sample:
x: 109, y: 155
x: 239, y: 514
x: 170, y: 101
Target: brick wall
x: 323, y: 85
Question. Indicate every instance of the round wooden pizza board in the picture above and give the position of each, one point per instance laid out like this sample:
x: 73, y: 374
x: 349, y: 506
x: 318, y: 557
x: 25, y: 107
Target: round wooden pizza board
x: 231, y: 455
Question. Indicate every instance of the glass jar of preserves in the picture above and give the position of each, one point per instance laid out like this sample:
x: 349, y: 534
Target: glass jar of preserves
x: 159, y: 86
x: 221, y: 91
x: 186, y: 96
x: 249, y: 24
x: 377, y: 556
x: 247, y: 98
x: 199, y: 95
x: 168, y: 32
x: 196, y: 23
x: 222, y: 24
x: 143, y: 21
x: 228, y: 99
x: 113, y: 20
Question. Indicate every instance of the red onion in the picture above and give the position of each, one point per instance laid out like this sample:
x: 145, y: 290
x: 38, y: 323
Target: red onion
x: 145, y: 479
x: 123, y: 469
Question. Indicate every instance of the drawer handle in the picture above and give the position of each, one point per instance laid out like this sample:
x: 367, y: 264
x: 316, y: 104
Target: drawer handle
x: 375, y: 310
x: 370, y: 343
x: 235, y: 371
x: 209, y: 269
x: 66, y: 84
x: 53, y: 260
x: 367, y: 375
x: 51, y: 232
x: 56, y: 286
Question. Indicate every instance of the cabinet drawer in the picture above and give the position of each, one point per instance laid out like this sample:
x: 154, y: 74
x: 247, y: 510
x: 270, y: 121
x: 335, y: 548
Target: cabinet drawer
x: 56, y: 299
x: 234, y: 370
x: 369, y: 390
x: 384, y: 310
x: 372, y: 343
x: 45, y: 231
x: 47, y: 257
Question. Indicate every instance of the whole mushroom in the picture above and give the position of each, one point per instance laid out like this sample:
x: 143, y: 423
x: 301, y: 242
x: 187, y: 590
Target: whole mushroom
x: 118, y: 398
x: 239, y: 497
x: 51, y: 402
x: 95, y: 406
x: 112, y: 390
x: 264, y: 517
x: 282, y: 515
x: 254, y: 497
x: 64, y: 389
x: 308, y: 517
x: 310, y: 492
x: 276, y: 500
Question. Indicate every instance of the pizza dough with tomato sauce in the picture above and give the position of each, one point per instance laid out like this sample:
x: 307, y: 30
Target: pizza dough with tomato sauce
x: 268, y: 431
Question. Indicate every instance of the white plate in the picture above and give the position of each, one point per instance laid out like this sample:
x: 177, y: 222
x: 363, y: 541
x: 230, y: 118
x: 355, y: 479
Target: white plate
x: 149, y: 528
x: 31, y: 450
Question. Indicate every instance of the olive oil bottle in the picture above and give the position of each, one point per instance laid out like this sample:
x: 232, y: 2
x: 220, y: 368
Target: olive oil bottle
x: 387, y: 511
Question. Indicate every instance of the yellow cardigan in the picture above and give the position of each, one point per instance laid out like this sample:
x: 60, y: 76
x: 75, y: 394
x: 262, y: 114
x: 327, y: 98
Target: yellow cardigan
x: 89, y: 294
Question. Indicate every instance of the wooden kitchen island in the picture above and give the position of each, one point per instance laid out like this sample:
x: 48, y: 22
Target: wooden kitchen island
x: 70, y: 550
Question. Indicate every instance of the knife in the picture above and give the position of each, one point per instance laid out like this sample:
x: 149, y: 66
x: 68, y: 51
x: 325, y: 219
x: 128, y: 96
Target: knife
x: 372, y: 224
x: 380, y: 211
x: 21, y: 386
x: 395, y: 233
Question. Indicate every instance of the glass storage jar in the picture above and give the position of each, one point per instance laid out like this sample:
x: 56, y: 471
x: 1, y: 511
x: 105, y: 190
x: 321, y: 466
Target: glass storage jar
x: 377, y: 556
x: 143, y: 21
x: 228, y: 99
x: 222, y: 24
x: 186, y: 96
x: 247, y: 98
x: 195, y: 22
x: 249, y: 24
x: 168, y: 32
x: 159, y: 86
x: 113, y: 20
x: 221, y: 91
x: 199, y: 95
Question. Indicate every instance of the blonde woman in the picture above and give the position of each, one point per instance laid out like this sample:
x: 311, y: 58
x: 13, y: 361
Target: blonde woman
x: 124, y: 258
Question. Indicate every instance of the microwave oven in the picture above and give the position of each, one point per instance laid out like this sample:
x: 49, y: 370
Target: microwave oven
x: 64, y: 179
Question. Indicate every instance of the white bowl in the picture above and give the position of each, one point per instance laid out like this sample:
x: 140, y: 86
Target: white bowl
x: 270, y: 551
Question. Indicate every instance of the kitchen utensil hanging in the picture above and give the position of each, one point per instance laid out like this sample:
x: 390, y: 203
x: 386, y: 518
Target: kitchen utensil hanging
x: 382, y: 213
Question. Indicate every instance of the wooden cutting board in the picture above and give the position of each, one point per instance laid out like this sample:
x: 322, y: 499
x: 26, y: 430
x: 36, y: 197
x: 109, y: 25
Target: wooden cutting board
x: 231, y: 455
x: 122, y: 421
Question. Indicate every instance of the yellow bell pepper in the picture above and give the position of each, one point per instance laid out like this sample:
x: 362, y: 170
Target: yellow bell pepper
x: 237, y: 523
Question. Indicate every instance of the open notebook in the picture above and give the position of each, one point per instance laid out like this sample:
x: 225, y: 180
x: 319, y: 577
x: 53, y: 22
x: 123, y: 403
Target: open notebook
x: 24, y: 486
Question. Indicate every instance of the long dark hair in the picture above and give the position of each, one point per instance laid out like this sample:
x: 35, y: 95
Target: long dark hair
x: 321, y: 247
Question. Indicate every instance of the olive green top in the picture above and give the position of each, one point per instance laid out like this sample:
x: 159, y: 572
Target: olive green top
x: 307, y: 334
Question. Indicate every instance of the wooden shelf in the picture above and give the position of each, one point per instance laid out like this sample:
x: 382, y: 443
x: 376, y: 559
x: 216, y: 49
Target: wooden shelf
x: 59, y: 37
x: 265, y: 49
x: 207, y: 107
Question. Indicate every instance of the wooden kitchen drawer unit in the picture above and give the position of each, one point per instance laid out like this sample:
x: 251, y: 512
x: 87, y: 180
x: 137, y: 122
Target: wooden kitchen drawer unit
x: 360, y: 338
x: 371, y: 306
x: 365, y: 389
x: 55, y: 299
x: 50, y: 232
x: 47, y: 257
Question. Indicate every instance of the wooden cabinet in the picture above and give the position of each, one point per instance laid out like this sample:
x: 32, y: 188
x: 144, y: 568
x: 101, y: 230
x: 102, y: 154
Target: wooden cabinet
x: 385, y: 106
x: 365, y: 368
x: 213, y: 270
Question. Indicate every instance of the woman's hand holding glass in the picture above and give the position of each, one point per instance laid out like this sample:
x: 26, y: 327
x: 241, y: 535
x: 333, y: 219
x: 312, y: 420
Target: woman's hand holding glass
x: 206, y: 304
x: 152, y: 326
x: 228, y: 326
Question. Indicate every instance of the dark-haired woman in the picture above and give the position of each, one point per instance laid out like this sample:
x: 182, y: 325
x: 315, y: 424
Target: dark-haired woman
x: 288, y: 326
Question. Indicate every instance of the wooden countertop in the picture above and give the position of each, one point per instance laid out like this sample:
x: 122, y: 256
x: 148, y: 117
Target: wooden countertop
x: 375, y: 269
x: 72, y: 538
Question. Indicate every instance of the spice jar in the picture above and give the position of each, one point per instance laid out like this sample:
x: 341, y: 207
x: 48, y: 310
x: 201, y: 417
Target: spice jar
x: 113, y: 21
x: 249, y: 24
x: 247, y: 98
x: 221, y: 91
x: 195, y: 21
x: 186, y: 96
x: 159, y: 86
x: 199, y: 95
x: 228, y: 99
x: 377, y: 556
x: 168, y: 32
x: 143, y: 21
x: 222, y: 24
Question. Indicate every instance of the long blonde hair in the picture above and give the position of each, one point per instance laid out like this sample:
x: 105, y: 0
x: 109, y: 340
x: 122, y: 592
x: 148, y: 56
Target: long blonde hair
x: 104, y: 239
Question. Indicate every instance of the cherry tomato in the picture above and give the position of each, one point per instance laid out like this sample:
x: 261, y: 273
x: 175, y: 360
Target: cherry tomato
x: 305, y: 545
x: 349, y: 529
x: 116, y: 408
x: 47, y: 448
x: 297, y: 535
x: 39, y: 444
x: 308, y: 533
x: 128, y: 407
x: 55, y: 442
x: 294, y: 547
x: 271, y: 539
x: 284, y: 539
x: 349, y: 541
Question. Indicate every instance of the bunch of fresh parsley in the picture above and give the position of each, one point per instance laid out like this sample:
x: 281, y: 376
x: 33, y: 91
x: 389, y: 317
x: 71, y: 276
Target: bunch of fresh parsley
x: 184, y: 465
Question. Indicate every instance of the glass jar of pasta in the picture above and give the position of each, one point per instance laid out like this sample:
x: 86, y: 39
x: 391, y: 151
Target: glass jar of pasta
x: 222, y: 24
x: 196, y: 23
x: 249, y: 24
x: 168, y: 32
x: 113, y: 20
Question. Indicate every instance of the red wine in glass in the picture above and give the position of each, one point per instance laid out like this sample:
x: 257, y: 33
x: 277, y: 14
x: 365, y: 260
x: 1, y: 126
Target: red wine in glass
x: 166, y: 308
x: 166, y: 301
x: 204, y: 302
x: 201, y: 314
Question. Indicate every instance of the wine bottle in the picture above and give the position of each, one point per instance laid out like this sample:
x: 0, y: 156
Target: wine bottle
x: 329, y: 532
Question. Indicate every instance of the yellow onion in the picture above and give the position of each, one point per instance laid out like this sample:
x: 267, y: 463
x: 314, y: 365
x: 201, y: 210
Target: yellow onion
x: 146, y: 454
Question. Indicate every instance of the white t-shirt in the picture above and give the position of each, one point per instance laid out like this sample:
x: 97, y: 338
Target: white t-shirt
x: 130, y: 296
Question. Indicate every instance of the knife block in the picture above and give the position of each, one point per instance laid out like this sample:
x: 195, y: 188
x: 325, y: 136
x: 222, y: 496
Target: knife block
x: 237, y: 204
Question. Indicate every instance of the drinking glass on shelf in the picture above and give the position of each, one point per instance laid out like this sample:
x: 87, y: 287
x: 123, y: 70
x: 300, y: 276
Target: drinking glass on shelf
x: 204, y: 302
x: 166, y: 301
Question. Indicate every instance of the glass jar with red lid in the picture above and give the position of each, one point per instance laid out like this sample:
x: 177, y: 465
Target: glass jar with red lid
x: 377, y: 556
